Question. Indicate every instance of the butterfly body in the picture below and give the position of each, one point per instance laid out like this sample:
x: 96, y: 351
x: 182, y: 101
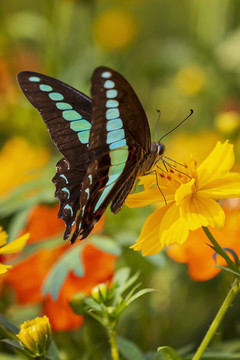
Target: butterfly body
x: 105, y: 142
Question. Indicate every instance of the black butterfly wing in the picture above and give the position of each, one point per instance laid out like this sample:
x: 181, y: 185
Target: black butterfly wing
x: 119, y: 139
x: 67, y: 115
x: 65, y: 111
x: 68, y: 183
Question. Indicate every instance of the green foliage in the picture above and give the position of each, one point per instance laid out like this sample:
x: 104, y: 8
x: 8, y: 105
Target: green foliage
x: 70, y: 261
x: 129, y: 350
x: 107, y: 306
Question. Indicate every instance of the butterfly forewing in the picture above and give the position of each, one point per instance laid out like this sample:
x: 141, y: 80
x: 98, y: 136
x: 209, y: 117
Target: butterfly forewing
x: 114, y: 98
x: 66, y: 112
x: 115, y: 150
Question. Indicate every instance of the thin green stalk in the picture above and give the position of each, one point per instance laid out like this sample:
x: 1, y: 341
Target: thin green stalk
x: 227, y: 302
x: 218, y: 318
x: 113, y: 343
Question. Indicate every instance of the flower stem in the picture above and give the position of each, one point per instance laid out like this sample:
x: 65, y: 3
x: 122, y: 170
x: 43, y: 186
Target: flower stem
x: 218, y: 318
x: 219, y: 250
x: 113, y: 343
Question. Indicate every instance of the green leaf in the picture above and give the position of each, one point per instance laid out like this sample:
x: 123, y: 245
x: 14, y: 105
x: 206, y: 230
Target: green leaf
x: 138, y: 294
x: 23, y: 197
x: 19, y: 198
x: 12, y: 343
x: 129, y: 350
x: 17, y: 224
x: 52, y: 353
x: 106, y: 244
x: 121, y: 276
x: 71, y: 260
x: 93, y: 304
x: 123, y: 279
x: 49, y: 243
x: 7, y: 325
x: 168, y: 353
x: 225, y: 268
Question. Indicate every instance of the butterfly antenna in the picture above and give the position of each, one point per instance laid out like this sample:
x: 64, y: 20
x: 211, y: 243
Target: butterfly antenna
x: 191, y: 112
x: 156, y: 130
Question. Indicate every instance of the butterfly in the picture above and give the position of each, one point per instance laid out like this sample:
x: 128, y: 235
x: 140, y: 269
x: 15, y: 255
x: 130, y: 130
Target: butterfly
x: 105, y: 142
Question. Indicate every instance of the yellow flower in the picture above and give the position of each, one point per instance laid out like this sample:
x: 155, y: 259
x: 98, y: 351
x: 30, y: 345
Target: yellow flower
x: 20, y: 162
x: 36, y: 335
x: 11, y: 248
x: 191, y: 193
x: 190, y: 80
x: 114, y: 29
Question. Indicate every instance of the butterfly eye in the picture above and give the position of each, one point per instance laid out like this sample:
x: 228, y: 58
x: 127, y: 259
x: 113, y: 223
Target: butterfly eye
x: 161, y: 149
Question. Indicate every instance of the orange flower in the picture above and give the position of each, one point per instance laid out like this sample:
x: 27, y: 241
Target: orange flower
x: 104, y: 265
x: 199, y: 256
x: 43, y: 223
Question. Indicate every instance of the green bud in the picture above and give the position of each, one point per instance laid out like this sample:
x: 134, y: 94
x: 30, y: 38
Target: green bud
x: 78, y: 304
x: 100, y: 292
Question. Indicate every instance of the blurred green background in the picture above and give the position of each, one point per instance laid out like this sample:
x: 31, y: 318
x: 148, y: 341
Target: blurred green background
x: 177, y: 55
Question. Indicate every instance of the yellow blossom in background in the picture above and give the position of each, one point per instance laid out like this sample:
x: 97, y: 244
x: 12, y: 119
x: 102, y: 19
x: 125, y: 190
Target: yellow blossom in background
x: 191, y: 193
x: 198, y: 145
x: 20, y: 162
x: 228, y: 122
x: 36, y: 335
x: 114, y: 29
x: 11, y: 248
x: 190, y: 80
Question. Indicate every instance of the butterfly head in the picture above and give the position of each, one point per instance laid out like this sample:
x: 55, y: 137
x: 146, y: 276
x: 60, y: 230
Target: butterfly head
x: 157, y: 148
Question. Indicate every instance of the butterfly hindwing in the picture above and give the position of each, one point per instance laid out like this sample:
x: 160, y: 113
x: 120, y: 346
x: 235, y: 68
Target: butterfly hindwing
x: 98, y: 192
x: 68, y: 183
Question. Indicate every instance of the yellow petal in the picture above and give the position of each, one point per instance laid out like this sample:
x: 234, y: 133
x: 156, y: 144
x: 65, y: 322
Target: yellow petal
x: 197, y: 211
x: 149, y: 241
x: 185, y: 190
x: 147, y: 181
x: 4, y: 268
x: 216, y: 165
x: 172, y: 229
x: 3, y: 237
x: 227, y: 186
x: 144, y: 198
x: 15, y: 245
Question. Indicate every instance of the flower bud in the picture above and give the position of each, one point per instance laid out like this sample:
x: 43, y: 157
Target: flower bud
x: 36, y: 335
x: 100, y: 292
x: 77, y: 303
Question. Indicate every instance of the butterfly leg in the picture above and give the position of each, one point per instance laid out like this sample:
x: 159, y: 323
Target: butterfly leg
x: 155, y: 172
